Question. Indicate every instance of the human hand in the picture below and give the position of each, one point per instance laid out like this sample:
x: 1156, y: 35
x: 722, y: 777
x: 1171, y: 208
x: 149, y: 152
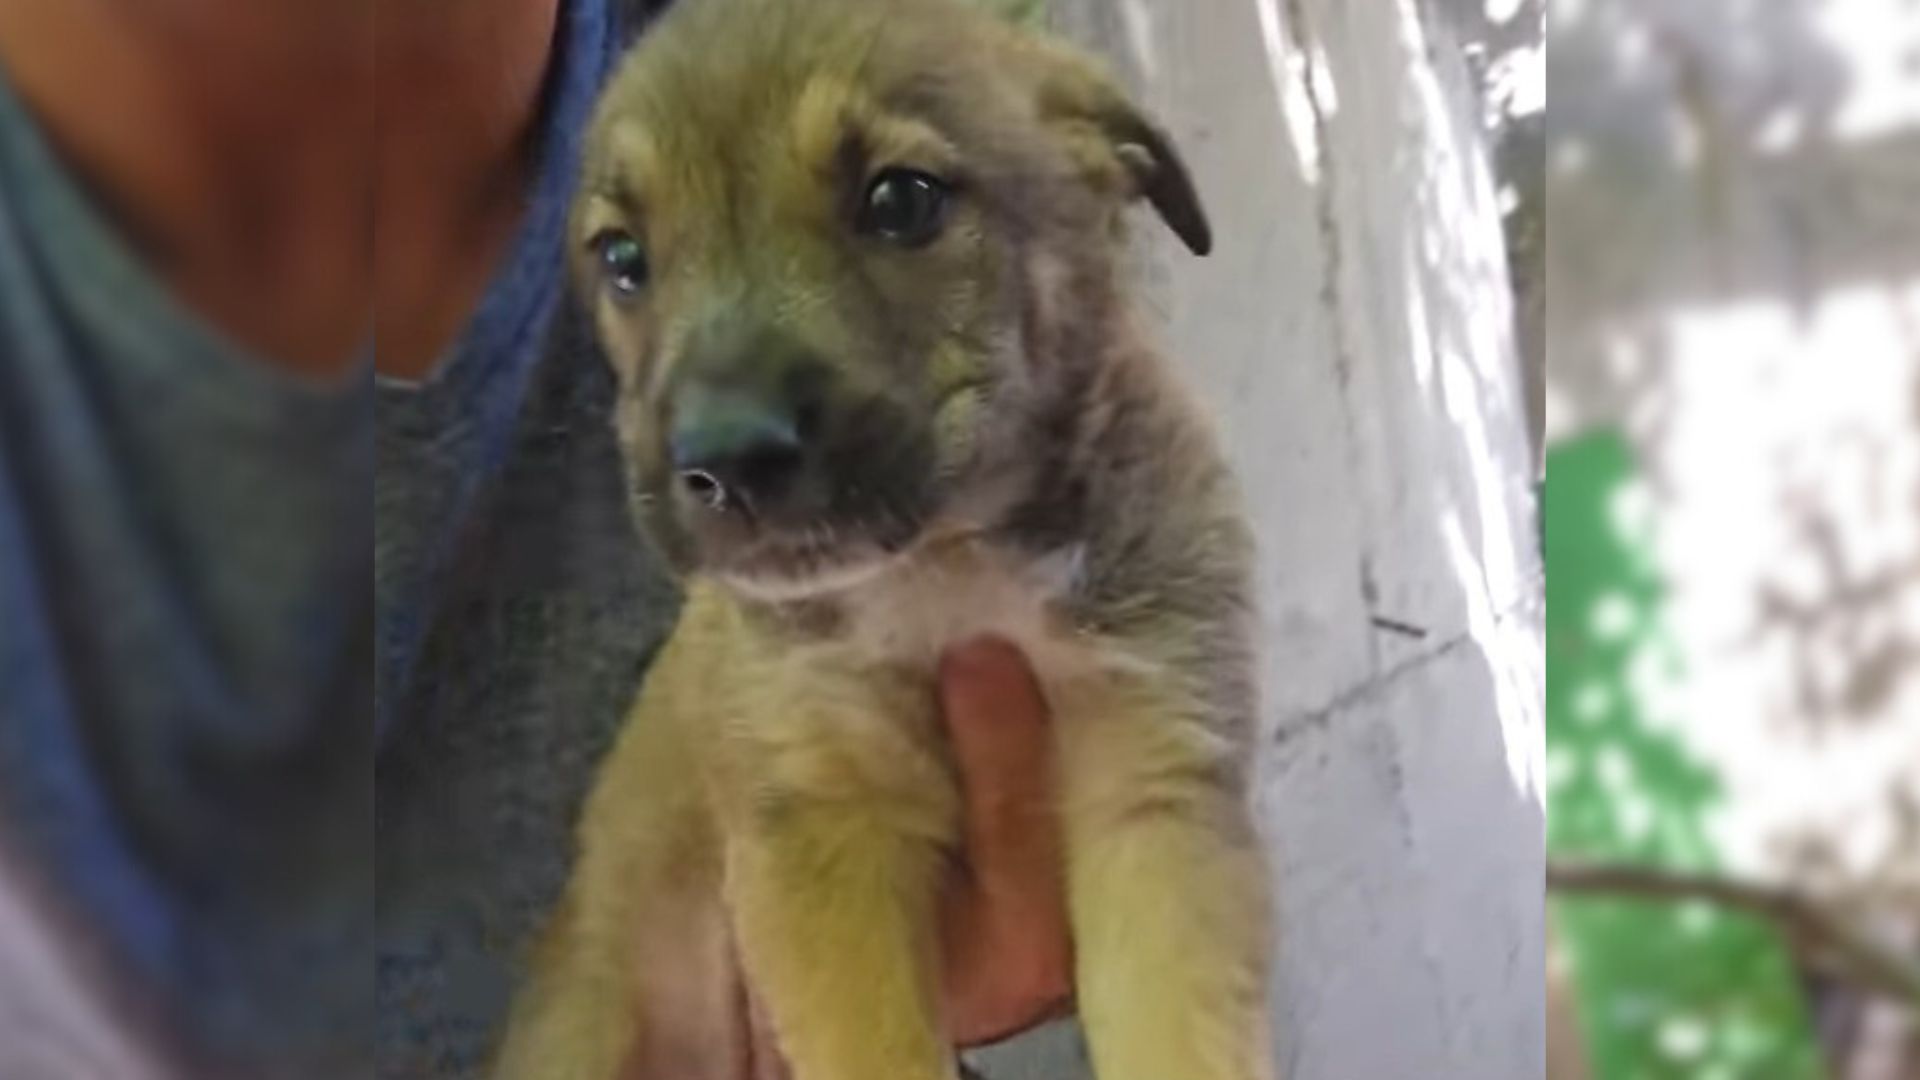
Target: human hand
x: 1006, y: 950
x: 1008, y: 961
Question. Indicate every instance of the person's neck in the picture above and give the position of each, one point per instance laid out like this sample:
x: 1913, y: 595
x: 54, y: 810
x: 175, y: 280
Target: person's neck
x: 460, y: 88
x: 241, y: 147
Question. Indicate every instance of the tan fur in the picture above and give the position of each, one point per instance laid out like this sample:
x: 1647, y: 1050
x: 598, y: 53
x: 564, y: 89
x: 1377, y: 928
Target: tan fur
x: 782, y: 778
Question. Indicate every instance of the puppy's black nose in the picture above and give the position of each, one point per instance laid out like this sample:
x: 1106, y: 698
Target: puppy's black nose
x: 734, y: 448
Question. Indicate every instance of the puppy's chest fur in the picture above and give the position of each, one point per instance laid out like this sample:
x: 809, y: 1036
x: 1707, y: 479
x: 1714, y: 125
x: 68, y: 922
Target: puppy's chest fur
x: 909, y: 615
x: 883, y: 638
x: 835, y: 700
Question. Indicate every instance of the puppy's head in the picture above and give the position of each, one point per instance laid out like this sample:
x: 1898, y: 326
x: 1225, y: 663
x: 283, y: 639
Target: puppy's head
x: 849, y: 258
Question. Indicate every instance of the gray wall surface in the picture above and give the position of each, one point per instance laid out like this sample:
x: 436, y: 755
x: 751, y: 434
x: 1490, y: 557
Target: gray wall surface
x: 1352, y: 330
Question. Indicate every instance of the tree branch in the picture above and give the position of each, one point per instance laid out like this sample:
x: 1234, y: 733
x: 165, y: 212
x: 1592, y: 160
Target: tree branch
x: 1808, y: 925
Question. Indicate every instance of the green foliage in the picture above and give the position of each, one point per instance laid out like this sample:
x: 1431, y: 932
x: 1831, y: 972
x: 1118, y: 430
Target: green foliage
x: 1666, y: 990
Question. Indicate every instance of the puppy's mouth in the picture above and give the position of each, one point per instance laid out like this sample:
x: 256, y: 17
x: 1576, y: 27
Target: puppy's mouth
x: 798, y: 561
x: 805, y: 568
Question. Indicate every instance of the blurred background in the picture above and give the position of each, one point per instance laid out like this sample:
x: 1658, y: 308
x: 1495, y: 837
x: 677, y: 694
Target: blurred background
x: 1729, y: 191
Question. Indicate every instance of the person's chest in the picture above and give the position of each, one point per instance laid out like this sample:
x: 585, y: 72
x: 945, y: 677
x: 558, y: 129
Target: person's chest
x: 546, y: 614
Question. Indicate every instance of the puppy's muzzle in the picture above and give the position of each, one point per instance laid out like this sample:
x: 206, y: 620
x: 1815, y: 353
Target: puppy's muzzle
x: 733, y: 449
x: 767, y: 439
x: 745, y: 431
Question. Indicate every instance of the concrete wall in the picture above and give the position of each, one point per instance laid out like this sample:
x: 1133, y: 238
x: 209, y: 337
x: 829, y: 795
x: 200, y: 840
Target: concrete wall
x: 1352, y: 331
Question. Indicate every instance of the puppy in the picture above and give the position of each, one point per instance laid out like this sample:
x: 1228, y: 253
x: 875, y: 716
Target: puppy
x: 858, y: 266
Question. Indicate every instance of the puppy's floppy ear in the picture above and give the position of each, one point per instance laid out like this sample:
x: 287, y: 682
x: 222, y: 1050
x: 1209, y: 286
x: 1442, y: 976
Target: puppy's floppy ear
x: 1074, y: 91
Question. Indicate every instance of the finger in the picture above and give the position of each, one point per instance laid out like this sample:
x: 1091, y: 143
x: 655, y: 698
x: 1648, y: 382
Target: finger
x: 763, y: 1053
x: 759, y: 1056
x: 1004, y: 926
x: 996, y: 718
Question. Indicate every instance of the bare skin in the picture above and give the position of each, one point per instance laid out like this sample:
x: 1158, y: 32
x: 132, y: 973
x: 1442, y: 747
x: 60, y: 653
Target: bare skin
x: 460, y: 84
x: 177, y: 115
x: 238, y: 147
x: 1009, y: 964
x: 230, y: 140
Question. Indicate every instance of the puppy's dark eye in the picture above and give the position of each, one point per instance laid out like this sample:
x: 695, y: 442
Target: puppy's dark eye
x: 905, y: 206
x: 622, y: 260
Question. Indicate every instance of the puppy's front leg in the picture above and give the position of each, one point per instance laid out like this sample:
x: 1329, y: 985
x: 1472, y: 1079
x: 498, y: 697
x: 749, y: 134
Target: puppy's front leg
x: 1166, y: 891
x: 831, y: 881
x: 634, y: 974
